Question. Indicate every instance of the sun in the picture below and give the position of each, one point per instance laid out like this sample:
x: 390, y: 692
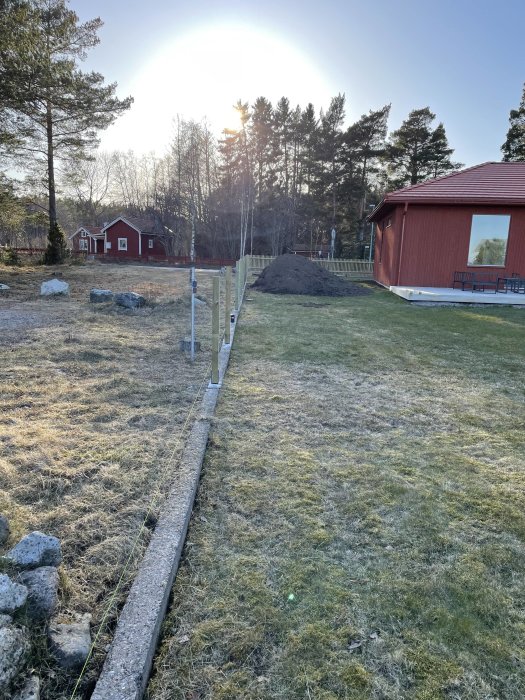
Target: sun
x: 202, y: 75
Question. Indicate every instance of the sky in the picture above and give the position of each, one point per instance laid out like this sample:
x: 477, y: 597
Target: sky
x: 465, y: 59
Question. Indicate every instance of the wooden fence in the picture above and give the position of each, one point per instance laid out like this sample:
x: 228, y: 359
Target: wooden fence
x: 349, y: 269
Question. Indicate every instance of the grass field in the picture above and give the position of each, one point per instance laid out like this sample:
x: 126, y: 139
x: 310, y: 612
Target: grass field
x: 94, y: 399
x: 360, y: 524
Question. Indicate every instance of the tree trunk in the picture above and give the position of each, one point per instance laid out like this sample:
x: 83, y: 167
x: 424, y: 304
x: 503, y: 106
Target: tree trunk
x: 51, y: 167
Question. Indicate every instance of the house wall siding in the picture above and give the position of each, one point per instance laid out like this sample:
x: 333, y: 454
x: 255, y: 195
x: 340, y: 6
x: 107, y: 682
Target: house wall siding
x: 386, y: 244
x: 436, y: 242
x: 121, y: 230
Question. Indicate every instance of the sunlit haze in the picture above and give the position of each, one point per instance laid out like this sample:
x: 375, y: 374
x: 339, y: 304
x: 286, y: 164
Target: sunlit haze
x: 204, y: 73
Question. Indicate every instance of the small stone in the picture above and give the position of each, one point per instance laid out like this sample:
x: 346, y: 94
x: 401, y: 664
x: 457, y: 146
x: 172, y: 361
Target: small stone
x: 4, y: 529
x: 12, y: 595
x: 53, y: 288
x: 98, y: 296
x: 4, y: 288
x: 42, y: 586
x: 30, y: 691
x: 130, y: 300
x: 14, y: 647
x: 34, y: 550
x: 70, y: 643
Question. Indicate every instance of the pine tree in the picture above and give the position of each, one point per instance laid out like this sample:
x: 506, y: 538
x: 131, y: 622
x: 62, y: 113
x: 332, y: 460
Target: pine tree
x: 55, y: 108
x: 514, y: 147
x: 56, y: 245
x: 416, y: 152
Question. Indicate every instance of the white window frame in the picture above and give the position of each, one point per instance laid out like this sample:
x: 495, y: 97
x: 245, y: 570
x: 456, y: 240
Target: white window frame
x: 83, y: 234
x: 487, y: 221
x: 83, y: 245
x: 122, y: 244
x: 150, y: 243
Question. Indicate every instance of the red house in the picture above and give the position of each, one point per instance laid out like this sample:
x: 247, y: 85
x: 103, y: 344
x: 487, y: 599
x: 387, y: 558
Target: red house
x: 126, y: 238
x: 88, y: 239
x: 131, y: 238
x: 469, y: 221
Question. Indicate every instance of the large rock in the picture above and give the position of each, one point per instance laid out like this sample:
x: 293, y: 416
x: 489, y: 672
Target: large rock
x: 42, y: 586
x: 70, y: 643
x: 14, y: 647
x: 34, y: 550
x: 98, y: 296
x: 4, y: 529
x: 30, y: 690
x: 12, y: 595
x: 4, y: 288
x: 130, y: 300
x: 53, y: 287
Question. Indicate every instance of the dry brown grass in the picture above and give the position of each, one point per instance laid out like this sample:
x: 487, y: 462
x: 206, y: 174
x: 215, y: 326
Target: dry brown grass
x: 94, y: 399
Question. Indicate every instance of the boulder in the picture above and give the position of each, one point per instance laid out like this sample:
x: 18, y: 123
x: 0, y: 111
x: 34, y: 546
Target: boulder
x: 130, y: 300
x: 5, y: 620
x: 4, y: 529
x: 98, y: 296
x: 14, y: 647
x: 34, y: 550
x: 70, y: 643
x: 4, y: 288
x: 42, y: 587
x: 12, y: 595
x: 53, y: 287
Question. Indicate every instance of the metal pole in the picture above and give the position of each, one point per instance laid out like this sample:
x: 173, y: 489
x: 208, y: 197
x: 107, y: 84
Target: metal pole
x: 193, y: 283
x: 215, y: 331
x: 227, y: 306
x: 372, y: 231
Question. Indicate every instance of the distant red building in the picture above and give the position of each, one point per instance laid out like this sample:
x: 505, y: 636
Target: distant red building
x: 126, y: 238
x: 472, y: 220
x: 129, y: 238
x: 88, y: 239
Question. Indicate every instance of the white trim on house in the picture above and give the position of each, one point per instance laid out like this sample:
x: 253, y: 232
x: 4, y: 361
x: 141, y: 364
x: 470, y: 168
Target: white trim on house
x: 122, y: 243
x: 121, y: 218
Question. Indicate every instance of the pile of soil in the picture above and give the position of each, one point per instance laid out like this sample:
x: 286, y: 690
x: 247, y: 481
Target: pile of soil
x: 293, y: 274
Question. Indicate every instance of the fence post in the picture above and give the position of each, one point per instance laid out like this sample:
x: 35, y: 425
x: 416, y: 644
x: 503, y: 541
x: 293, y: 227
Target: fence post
x: 237, y: 284
x: 215, y: 331
x: 227, y: 306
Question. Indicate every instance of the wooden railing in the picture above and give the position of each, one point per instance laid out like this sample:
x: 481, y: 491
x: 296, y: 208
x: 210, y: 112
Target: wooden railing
x: 349, y: 269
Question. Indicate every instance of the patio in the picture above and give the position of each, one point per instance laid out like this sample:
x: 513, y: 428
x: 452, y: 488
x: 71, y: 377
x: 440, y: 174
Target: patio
x: 447, y: 295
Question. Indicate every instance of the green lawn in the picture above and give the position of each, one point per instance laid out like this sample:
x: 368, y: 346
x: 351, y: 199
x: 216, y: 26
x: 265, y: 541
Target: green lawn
x: 360, y: 526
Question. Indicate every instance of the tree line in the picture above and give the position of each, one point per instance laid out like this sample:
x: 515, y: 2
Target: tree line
x: 286, y: 176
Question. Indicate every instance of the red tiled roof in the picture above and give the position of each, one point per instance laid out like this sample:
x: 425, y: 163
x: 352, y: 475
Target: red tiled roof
x: 488, y: 183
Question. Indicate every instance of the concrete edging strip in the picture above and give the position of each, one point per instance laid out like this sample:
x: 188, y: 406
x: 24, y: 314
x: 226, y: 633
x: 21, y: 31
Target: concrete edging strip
x: 127, y: 666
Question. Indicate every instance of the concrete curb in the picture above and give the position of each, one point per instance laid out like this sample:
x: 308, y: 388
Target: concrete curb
x: 127, y: 667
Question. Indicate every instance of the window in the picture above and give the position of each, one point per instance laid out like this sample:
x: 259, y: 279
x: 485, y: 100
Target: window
x: 488, y: 239
x: 82, y: 245
x: 122, y: 243
x: 83, y: 234
x: 150, y: 243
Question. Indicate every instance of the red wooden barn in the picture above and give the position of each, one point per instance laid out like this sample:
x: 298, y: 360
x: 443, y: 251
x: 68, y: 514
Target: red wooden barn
x: 472, y: 220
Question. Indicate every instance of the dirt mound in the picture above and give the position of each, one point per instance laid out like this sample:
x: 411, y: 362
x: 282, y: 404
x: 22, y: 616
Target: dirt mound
x: 293, y: 274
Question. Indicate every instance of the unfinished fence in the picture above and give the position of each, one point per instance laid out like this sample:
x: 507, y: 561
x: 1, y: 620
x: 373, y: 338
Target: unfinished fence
x: 352, y: 270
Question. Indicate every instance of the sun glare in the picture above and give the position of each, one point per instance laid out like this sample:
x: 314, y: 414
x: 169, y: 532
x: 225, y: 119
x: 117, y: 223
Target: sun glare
x: 204, y: 74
